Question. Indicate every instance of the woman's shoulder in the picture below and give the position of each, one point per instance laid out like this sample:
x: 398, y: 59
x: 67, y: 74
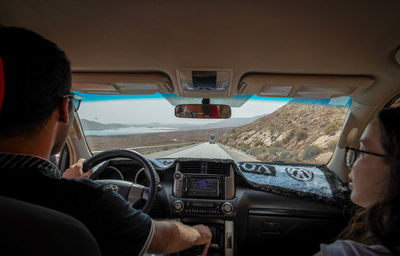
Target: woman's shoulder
x: 351, y: 248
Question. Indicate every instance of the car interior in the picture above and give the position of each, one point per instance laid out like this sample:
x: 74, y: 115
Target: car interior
x: 213, y: 53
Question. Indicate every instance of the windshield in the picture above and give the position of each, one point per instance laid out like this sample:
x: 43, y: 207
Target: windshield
x: 260, y: 128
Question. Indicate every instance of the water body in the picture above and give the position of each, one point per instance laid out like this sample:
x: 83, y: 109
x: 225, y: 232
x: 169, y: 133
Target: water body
x: 129, y: 130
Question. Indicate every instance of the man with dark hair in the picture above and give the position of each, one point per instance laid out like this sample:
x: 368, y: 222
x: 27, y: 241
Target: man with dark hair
x: 37, y: 110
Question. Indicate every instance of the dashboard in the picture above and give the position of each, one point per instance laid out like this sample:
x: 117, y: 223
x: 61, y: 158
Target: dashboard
x: 245, y: 204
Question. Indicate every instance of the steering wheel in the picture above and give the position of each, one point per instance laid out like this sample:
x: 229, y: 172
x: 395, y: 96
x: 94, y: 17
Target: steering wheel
x: 130, y: 191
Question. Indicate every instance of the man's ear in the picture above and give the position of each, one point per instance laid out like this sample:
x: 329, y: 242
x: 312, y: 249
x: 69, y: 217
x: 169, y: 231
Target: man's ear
x: 63, y: 110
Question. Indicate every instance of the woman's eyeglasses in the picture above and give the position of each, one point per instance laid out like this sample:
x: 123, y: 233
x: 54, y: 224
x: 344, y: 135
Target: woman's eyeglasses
x: 353, y: 153
x: 76, y: 100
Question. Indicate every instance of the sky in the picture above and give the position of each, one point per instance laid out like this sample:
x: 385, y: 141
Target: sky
x: 157, y: 109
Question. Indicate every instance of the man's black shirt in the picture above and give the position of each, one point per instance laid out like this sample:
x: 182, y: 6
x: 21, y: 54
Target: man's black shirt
x: 118, y: 228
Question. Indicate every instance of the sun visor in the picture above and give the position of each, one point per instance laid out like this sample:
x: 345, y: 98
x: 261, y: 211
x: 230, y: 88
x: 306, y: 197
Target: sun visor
x: 303, y: 86
x: 121, y: 83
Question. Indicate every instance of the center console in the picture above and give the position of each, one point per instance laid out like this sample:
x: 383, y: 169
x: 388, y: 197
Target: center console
x: 203, y: 193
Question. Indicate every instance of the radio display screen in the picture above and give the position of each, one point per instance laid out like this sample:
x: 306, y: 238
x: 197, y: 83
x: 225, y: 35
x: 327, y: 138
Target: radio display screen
x: 203, y: 187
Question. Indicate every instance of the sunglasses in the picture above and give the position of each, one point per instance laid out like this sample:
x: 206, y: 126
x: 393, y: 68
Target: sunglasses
x: 76, y: 100
x: 353, y: 153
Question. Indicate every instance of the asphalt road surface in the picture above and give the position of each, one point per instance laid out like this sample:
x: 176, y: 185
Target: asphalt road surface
x: 205, y: 150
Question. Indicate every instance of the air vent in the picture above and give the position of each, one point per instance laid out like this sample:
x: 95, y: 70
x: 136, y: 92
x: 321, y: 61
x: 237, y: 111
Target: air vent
x: 190, y: 167
x: 218, y: 168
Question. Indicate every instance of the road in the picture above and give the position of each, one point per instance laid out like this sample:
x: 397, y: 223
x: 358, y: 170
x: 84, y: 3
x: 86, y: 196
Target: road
x: 204, y: 150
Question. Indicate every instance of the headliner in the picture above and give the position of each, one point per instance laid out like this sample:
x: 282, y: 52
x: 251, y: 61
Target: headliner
x: 276, y: 37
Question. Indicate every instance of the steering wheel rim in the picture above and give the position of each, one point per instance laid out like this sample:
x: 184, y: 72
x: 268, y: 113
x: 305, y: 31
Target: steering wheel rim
x: 126, y: 153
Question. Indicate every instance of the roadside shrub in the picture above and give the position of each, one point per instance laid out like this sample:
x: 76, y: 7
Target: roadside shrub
x: 309, y: 152
x: 284, y: 155
x: 259, y: 143
x: 244, y: 148
x: 264, y: 157
x: 332, y: 145
x: 302, y: 112
x: 331, y: 129
x: 301, y: 134
x: 257, y: 151
x: 274, y: 150
x: 288, y: 156
x: 278, y: 144
x: 275, y: 128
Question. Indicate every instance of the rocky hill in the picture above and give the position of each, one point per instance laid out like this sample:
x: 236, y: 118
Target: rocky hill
x: 231, y: 122
x: 294, y: 132
x: 96, y: 126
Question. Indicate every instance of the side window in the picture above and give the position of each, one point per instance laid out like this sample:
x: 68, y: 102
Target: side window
x: 63, y: 159
x: 395, y: 102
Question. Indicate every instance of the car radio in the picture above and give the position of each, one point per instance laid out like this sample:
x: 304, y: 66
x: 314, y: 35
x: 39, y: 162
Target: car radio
x: 190, y: 207
x: 199, y: 186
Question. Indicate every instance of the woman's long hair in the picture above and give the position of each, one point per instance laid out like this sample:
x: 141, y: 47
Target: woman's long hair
x: 380, y: 224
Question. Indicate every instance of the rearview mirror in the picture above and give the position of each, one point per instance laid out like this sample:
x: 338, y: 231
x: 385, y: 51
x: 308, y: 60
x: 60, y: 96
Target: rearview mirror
x: 203, y: 111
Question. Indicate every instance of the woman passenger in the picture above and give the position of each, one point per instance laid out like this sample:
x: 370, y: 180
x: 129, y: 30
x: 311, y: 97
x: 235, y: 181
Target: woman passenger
x: 375, y: 187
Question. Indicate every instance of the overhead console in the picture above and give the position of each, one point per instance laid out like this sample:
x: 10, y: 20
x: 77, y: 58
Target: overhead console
x: 204, y: 82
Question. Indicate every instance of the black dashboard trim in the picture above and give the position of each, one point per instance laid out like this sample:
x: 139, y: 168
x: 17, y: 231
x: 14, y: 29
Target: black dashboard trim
x: 292, y: 213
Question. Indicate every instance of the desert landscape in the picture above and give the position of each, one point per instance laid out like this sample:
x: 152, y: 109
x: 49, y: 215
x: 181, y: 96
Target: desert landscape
x: 293, y: 133
x: 147, y: 143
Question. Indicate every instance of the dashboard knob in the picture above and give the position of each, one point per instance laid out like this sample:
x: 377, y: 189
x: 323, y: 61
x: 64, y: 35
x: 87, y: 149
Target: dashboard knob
x: 178, y: 205
x: 178, y: 176
x: 227, y: 208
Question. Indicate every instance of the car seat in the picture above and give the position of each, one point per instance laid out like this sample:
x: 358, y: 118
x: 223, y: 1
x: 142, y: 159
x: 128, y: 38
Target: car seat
x: 35, y: 230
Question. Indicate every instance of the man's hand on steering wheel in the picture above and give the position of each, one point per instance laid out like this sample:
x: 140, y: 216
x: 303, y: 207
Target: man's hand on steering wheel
x: 75, y: 170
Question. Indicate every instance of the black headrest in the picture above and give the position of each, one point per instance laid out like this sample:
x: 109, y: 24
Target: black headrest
x: 34, y: 230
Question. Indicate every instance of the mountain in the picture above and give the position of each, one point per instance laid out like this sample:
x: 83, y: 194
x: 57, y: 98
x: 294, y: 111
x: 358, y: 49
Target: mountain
x: 294, y: 132
x: 232, y: 122
x: 96, y: 126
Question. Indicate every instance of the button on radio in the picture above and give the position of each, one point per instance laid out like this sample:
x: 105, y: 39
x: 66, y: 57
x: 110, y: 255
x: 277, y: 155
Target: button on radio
x: 208, y: 208
x: 227, y: 208
x: 178, y: 205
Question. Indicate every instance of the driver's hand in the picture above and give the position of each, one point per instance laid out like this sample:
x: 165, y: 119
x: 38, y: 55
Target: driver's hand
x: 205, y: 237
x: 75, y: 170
